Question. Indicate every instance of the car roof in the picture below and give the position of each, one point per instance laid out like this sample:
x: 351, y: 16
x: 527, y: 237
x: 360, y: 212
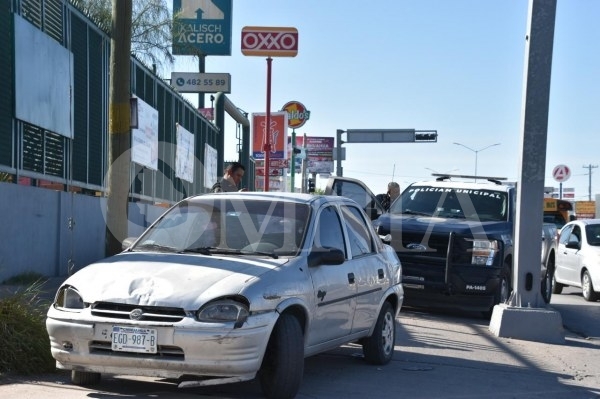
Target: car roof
x: 585, y: 222
x: 277, y: 196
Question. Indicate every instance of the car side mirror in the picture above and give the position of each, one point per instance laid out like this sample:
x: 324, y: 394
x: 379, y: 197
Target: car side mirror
x: 326, y: 256
x: 573, y: 245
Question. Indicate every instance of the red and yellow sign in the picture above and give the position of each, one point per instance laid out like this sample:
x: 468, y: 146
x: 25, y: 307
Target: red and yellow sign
x: 297, y: 114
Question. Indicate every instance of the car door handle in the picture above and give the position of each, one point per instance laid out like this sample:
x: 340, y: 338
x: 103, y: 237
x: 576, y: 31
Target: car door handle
x: 351, y: 278
x: 380, y: 274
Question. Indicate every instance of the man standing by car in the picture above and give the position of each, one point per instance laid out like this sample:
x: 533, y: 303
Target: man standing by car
x: 231, y: 179
x: 392, y: 193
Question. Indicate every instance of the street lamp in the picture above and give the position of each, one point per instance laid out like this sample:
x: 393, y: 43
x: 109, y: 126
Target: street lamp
x: 476, y: 152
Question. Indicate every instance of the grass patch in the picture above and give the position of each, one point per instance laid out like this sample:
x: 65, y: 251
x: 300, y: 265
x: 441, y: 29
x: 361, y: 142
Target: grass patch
x: 25, y: 346
x: 27, y: 278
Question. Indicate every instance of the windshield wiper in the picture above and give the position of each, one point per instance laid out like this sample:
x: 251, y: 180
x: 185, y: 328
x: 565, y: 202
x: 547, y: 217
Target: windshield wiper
x: 411, y: 212
x: 156, y: 247
x: 200, y: 250
x: 228, y: 251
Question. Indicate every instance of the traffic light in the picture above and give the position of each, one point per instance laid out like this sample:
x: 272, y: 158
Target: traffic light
x: 426, y: 137
x: 311, y: 185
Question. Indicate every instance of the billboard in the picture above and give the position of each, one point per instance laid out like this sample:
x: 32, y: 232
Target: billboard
x: 277, y: 135
x: 202, y: 27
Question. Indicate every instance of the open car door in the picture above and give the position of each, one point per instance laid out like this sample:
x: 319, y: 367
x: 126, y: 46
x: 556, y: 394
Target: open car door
x: 356, y: 190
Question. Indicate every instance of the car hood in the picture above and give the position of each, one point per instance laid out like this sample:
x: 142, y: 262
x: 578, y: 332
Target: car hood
x: 391, y: 223
x: 175, y: 280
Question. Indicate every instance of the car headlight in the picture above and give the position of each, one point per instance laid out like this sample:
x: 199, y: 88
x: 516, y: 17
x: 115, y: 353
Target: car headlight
x: 69, y: 299
x: 484, y: 252
x: 224, y: 311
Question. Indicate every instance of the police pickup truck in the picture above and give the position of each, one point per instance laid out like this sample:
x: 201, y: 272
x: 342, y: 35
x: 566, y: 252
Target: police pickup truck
x: 454, y: 239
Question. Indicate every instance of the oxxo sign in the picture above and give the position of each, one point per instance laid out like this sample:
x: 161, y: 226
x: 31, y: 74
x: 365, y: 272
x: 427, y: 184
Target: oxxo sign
x: 270, y: 41
x: 297, y: 114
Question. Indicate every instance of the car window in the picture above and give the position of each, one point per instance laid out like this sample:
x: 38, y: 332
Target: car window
x: 592, y: 232
x: 361, y: 241
x: 564, y: 234
x: 329, y: 232
x: 356, y: 192
x: 230, y: 224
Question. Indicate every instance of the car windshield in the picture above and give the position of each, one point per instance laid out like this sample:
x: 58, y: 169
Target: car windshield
x: 448, y: 202
x: 229, y: 226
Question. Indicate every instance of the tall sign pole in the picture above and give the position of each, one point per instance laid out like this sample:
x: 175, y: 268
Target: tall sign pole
x: 297, y: 117
x: 267, y: 133
x: 269, y: 41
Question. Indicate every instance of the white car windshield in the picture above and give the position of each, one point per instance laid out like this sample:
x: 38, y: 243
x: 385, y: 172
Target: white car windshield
x: 229, y: 226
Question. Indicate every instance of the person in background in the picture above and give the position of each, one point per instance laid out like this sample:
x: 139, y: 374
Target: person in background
x: 392, y: 193
x: 231, y: 179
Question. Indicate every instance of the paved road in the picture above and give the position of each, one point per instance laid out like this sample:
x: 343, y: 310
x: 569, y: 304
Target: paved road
x: 437, y: 356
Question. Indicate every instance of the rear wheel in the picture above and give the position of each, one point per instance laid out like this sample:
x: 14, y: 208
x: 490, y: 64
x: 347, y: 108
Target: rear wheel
x: 379, y: 347
x: 556, y: 286
x: 84, y: 377
x: 587, y: 288
x: 282, y: 368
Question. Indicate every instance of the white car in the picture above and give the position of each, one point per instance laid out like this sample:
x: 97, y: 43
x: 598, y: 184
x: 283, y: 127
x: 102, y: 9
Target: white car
x: 578, y: 258
x: 226, y: 287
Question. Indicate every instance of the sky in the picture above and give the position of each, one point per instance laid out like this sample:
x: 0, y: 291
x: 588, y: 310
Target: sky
x: 454, y: 66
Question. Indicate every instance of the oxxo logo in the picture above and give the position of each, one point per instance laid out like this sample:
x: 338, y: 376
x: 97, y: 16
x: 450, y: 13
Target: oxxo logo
x: 297, y: 114
x: 269, y: 41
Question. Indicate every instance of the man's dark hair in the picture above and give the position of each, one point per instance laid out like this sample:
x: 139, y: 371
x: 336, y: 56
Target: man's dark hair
x: 232, y: 167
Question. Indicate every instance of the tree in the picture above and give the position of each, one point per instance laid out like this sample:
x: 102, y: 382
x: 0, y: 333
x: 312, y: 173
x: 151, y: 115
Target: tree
x: 151, y: 28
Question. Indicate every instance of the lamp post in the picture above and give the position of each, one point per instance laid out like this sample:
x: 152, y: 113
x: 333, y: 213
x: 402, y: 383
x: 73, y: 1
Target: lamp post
x: 476, y: 152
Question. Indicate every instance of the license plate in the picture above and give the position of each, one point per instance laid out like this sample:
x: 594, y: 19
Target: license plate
x: 133, y: 339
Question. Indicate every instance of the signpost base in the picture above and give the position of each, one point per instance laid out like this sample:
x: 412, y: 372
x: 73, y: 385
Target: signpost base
x: 529, y: 324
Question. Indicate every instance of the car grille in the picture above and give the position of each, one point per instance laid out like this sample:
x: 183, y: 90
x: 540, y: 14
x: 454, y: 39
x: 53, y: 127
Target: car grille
x: 113, y: 310
x: 163, y: 351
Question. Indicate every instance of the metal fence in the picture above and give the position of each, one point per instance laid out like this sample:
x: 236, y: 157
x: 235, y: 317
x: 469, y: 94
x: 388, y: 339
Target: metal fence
x: 32, y: 155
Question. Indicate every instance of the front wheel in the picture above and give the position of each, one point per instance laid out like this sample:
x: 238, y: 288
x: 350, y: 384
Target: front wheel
x: 282, y: 368
x: 379, y: 347
x: 84, y: 377
x: 547, y: 282
x: 587, y: 288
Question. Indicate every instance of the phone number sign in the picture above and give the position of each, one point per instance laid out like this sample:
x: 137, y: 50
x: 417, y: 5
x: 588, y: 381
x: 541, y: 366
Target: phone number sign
x: 194, y: 82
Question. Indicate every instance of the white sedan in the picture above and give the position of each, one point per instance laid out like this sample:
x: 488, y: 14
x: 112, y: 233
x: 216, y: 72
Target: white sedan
x: 232, y: 286
x: 578, y: 258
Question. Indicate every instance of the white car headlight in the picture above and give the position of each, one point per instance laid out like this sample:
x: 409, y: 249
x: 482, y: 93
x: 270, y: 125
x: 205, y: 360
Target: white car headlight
x: 484, y: 252
x: 224, y: 311
x: 69, y: 299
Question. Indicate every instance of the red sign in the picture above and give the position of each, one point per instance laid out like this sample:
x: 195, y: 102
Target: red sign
x: 269, y: 41
x: 297, y: 114
x: 272, y: 172
x: 208, y: 113
x: 561, y: 173
x: 277, y: 135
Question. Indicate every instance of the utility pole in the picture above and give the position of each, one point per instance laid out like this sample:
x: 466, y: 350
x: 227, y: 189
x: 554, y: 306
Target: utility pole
x: 589, y: 168
x: 119, y: 127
